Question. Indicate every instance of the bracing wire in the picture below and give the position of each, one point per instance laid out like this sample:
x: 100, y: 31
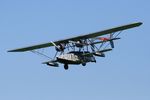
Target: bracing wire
x: 41, y: 54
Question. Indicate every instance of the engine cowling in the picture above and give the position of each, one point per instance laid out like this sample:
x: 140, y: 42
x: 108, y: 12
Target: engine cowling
x: 60, y: 47
x: 79, y: 44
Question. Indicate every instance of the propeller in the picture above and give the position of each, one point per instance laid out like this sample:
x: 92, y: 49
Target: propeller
x: 59, y: 47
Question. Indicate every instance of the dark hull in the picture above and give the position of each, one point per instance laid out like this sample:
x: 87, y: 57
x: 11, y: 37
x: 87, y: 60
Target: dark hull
x: 63, y: 61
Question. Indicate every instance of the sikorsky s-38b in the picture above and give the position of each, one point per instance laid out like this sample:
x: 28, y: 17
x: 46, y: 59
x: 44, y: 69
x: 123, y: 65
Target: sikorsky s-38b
x: 80, y: 49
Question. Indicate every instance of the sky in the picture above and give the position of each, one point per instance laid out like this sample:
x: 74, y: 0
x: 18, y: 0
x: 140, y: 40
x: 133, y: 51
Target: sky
x: 124, y: 74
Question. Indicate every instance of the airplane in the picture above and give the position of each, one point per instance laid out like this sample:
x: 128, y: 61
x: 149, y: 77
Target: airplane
x: 80, y: 49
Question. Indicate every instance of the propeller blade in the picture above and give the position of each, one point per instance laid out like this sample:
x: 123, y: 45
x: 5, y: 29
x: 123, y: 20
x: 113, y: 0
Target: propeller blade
x: 55, y: 45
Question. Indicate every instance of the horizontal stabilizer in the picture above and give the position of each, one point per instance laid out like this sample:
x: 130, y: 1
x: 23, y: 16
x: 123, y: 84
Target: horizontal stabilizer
x: 105, y: 50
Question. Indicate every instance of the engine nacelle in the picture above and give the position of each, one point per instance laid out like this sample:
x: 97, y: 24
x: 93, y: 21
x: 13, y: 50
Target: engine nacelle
x: 79, y: 44
x: 60, y: 47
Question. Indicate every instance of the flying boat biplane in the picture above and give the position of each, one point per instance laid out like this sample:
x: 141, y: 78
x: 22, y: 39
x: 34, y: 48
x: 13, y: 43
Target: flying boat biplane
x: 80, y: 49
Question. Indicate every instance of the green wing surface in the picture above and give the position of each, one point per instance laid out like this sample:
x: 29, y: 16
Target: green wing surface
x: 86, y: 36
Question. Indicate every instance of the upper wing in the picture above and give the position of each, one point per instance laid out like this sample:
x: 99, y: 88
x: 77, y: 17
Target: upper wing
x: 86, y: 36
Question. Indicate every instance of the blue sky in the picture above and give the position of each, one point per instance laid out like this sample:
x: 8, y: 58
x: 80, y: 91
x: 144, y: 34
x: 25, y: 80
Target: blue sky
x: 123, y: 75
